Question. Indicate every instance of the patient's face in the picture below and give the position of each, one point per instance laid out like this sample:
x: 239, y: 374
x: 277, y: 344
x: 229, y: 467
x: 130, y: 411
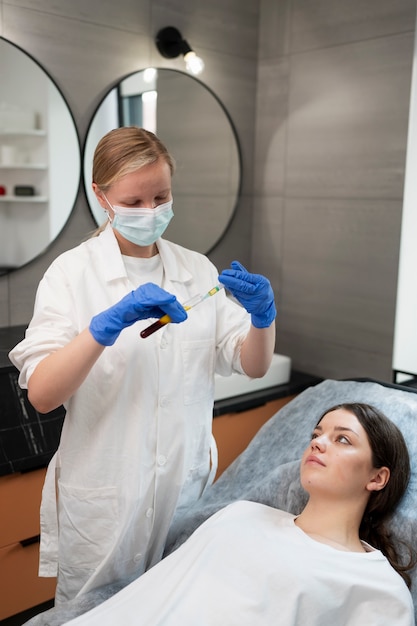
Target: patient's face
x: 338, y: 461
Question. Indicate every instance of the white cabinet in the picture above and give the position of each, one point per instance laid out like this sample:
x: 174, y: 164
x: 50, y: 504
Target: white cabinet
x: 24, y: 161
x: 25, y: 220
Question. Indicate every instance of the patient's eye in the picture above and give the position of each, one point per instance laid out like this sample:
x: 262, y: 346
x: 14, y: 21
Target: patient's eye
x: 343, y: 439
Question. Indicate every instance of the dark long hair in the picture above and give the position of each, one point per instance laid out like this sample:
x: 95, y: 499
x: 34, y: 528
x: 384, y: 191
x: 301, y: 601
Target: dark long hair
x: 390, y: 450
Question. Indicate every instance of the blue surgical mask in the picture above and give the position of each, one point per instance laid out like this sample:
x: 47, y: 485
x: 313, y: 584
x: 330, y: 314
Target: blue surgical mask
x: 141, y: 226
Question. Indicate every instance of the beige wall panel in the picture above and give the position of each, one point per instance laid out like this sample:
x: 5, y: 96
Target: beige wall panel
x: 271, y: 126
x: 324, y: 23
x: 104, y: 12
x: 274, y: 29
x: 235, y: 245
x: 339, y: 272
x: 268, y: 239
x: 234, y: 83
x: 311, y: 354
x: 348, y: 118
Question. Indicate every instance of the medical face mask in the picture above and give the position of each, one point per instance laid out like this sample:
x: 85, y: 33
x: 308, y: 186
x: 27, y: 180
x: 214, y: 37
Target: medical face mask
x: 141, y: 226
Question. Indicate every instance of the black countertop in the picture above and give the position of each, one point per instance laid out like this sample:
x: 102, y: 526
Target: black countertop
x: 297, y: 383
x: 28, y: 439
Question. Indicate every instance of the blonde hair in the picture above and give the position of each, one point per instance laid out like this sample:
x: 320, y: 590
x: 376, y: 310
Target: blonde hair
x: 125, y: 150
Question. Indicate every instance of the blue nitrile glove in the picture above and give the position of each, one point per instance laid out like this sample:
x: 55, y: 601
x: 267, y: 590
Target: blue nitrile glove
x: 148, y: 300
x: 253, y: 291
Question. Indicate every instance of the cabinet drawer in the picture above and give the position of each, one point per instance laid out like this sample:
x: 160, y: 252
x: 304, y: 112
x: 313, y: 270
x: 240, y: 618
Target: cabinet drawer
x: 234, y: 431
x: 20, y: 497
x: 21, y: 588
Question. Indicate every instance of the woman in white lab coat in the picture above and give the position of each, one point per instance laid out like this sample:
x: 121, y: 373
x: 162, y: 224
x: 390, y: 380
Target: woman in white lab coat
x: 136, y: 441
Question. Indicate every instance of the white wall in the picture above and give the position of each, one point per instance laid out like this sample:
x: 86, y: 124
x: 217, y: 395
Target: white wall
x: 405, y: 336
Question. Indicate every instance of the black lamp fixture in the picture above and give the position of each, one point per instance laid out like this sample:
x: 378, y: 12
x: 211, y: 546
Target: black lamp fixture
x: 171, y: 44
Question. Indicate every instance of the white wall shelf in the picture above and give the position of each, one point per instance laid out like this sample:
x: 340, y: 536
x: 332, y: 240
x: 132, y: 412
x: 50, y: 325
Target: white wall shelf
x: 23, y: 199
x: 23, y: 133
x: 24, y: 166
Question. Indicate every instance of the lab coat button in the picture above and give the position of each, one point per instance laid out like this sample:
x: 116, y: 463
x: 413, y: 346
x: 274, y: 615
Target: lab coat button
x: 137, y: 558
x: 164, y: 343
x: 162, y: 459
x: 149, y: 513
x: 164, y: 401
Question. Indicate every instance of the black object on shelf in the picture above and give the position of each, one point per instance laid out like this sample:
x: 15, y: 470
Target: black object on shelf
x: 24, y: 190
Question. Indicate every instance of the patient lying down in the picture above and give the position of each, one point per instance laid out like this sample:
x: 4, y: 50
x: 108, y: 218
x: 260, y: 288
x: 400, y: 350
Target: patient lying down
x: 252, y: 564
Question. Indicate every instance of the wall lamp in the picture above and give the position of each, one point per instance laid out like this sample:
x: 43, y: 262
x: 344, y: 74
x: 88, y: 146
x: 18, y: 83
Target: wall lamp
x: 171, y: 44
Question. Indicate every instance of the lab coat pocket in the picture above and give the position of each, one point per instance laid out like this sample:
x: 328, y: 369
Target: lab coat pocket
x: 198, y: 361
x: 196, y: 481
x: 87, y: 521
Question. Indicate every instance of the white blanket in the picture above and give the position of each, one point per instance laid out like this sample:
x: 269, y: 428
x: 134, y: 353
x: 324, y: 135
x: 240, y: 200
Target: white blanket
x: 251, y: 565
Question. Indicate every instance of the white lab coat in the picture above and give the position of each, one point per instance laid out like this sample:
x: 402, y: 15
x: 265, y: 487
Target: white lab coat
x: 137, y: 434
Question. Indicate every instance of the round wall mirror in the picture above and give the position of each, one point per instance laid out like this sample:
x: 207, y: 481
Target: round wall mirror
x: 40, y: 159
x: 198, y: 132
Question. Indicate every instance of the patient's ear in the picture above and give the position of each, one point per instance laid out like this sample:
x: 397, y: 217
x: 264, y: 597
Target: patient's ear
x: 379, y: 479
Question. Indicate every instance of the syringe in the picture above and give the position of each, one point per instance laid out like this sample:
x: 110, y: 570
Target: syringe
x: 165, y: 319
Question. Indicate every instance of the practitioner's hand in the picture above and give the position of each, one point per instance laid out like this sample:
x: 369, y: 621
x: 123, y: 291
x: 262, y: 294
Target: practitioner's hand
x: 253, y: 291
x: 146, y: 301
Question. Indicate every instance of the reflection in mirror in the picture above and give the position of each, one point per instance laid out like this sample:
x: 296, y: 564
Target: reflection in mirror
x: 198, y: 132
x: 40, y: 162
